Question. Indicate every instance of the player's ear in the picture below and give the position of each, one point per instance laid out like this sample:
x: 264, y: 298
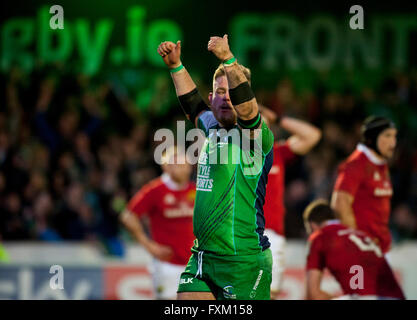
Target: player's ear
x: 210, y: 97
x: 165, y: 168
x: 314, y: 226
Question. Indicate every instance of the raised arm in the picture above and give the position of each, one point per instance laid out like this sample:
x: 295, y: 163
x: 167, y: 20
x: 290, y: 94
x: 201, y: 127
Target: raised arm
x: 241, y: 94
x: 304, y: 136
x: 191, y: 102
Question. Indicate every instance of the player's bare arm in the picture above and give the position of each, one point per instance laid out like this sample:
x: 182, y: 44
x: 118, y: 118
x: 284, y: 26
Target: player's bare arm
x: 314, y: 291
x: 342, y: 202
x: 304, y: 136
x: 246, y: 107
x: 185, y: 87
x: 171, y: 54
x: 134, y: 226
x: 269, y: 116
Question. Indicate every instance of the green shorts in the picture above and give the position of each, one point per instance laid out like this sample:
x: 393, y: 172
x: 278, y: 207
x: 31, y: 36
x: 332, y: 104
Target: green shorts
x: 229, y: 277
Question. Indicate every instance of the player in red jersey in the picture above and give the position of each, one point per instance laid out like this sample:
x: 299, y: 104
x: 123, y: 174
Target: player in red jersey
x: 362, y: 192
x: 356, y: 262
x: 304, y: 137
x: 168, y: 201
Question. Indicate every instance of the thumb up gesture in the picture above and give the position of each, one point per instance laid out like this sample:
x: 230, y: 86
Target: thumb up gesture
x: 220, y: 47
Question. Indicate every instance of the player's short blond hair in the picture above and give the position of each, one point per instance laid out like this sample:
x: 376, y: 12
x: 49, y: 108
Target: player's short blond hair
x: 220, y: 72
x: 312, y: 207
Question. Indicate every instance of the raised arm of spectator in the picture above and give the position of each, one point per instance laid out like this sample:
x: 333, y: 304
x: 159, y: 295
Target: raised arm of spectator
x: 44, y: 130
x: 191, y: 102
x: 91, y: 106
x: 241, y: 94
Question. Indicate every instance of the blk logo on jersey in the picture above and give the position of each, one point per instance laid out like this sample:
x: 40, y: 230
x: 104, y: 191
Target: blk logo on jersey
x: 186, y: 281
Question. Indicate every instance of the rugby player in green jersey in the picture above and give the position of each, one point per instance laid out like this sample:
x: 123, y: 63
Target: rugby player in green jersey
x: 230, y: 258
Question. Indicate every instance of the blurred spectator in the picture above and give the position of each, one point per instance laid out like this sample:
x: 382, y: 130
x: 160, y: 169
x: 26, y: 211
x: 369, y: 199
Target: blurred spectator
x: 404, y: 223
x: 43, y: 215
x: 13, y: 223
x: 73, y: 148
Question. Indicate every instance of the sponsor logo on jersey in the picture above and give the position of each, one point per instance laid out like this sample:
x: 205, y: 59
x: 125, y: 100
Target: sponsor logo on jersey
x: 204, y: 182
x: 169, y: 199
x: 383, y: 192
x: 203, y: 158
x: 184, y: 210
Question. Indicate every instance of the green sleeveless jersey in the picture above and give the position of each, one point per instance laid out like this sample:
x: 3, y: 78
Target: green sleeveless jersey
x: 231, y: 184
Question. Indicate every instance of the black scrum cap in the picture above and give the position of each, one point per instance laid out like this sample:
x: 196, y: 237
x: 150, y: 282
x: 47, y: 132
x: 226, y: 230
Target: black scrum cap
x: 372, y: 127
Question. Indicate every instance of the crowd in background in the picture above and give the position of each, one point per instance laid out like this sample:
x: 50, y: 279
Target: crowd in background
x: 74, y: 149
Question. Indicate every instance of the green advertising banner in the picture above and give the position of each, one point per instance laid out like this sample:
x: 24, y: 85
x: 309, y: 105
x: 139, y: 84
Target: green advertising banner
x: 303, y: 42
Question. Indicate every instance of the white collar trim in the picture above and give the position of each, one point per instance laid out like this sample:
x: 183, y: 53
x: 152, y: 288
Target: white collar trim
x: 333, y: 221
x: 368, y: 153
x: 171, y: 184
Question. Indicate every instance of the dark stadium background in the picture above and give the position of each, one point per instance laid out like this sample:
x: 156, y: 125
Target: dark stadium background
x: 76, y: 129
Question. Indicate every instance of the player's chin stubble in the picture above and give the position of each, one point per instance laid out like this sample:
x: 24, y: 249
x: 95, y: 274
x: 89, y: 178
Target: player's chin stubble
x: 228, y: 122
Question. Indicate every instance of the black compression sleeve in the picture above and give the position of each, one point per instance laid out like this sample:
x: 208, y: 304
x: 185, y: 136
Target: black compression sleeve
x: 192, y: 104
x: 242, y: 93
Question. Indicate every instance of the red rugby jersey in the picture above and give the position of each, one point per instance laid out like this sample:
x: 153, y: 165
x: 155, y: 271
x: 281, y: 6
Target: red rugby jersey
x: 170, y: 214
x: 367, y: 179
x: 274, y: 209
x: 341, y: 250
